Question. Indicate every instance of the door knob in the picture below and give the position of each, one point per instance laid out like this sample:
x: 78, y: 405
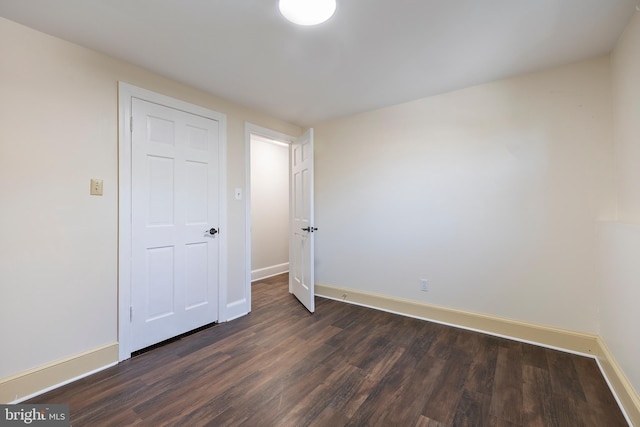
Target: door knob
x: 212, y: 231
x: 311, y: 229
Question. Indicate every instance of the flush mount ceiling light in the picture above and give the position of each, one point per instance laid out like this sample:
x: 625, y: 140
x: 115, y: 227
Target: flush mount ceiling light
x: 307, y: 12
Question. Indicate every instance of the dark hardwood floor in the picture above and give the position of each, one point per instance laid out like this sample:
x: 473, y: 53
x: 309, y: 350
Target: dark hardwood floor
x: 342, y: 366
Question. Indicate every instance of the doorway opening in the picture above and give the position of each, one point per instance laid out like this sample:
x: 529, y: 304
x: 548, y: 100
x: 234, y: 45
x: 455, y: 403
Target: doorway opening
x: 267, y: 204
x: 269, y: 207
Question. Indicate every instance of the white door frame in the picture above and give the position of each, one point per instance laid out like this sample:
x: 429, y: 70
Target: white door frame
x: 251, y: 129
x: 125, y: 94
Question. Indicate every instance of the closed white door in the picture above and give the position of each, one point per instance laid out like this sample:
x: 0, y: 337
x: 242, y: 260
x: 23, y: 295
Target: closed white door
x: 174, y: 207
x: 301, y: 277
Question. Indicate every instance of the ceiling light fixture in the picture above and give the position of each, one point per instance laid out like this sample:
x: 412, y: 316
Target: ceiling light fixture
x: 307, y: 12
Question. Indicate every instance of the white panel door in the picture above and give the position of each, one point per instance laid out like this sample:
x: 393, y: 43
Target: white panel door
x: 174, y: 220
x: 301, y: 280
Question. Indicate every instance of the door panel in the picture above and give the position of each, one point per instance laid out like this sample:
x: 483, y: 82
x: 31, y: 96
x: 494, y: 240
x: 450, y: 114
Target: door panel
x: 161, y: 195
x: 196, y: 198
x: 160, y: 282
x: 175, y: 198
x: 301, y: 275
x: 196, y: 280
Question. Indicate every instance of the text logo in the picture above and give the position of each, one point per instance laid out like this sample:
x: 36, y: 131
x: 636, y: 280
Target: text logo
x: 34, y: 415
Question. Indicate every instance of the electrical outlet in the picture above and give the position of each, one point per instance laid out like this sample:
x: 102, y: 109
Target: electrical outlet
x: 424, y: 285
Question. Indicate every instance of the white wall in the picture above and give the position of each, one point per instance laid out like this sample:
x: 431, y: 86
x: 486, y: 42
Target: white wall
x: 489, y: 192
x: 58, y: 245
x: 621, y: 237
x: 269, y: 206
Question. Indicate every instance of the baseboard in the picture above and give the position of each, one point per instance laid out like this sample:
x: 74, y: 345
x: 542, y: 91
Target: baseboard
x: 236, y: 309
x: 274, y: 270
x: 626, y: 395
x: 559, y: 339
x: 33, y: 382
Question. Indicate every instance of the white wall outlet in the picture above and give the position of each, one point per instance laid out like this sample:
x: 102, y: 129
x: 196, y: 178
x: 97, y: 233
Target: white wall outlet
x: 424, y: 285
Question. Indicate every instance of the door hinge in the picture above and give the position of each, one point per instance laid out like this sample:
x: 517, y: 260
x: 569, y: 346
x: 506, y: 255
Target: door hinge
x: 130, y: 314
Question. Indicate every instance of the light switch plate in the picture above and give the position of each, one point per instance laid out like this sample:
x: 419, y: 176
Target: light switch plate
x: 96, y: 187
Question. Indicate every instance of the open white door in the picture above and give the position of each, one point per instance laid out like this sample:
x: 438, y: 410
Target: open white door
x: 301, y: 280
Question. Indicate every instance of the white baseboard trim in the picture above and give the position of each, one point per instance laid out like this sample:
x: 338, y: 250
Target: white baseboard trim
x: 28, y: 384
x: 559, y: 339
x: 554, y: 338
x: 274, y: 270
x: 237, y: 309
x: 619, y: 384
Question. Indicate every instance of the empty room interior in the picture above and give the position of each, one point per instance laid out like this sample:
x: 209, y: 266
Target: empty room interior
x: 473, y: 167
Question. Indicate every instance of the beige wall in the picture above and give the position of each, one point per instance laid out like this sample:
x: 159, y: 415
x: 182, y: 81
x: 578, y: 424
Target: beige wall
x: 269, y: 204
x: 58, y: 245
x: 491, y: 193
x: 620, y: 291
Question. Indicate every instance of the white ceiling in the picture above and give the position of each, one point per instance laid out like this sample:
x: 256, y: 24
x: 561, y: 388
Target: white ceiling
x: 370, y: 54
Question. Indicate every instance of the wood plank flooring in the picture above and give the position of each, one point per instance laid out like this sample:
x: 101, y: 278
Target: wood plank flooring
x: 342, y: 366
